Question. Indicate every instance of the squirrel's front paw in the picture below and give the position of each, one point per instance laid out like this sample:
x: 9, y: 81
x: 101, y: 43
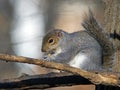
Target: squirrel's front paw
x: 45, y: 58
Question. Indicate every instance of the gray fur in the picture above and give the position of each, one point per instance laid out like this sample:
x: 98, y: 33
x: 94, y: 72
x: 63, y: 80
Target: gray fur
x: 79, y: 43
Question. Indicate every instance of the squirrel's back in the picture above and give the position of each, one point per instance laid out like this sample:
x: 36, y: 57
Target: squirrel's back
x: 85, y: 39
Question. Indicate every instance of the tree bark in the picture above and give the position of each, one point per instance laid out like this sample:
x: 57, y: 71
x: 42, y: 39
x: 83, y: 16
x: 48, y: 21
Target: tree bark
x: 112, y: 26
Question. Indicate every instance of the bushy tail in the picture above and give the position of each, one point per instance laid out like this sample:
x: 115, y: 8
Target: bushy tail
x: 91, y: 25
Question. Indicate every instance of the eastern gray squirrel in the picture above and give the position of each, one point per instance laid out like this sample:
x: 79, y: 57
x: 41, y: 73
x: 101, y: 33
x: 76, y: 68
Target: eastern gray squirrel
x: 79, y: 49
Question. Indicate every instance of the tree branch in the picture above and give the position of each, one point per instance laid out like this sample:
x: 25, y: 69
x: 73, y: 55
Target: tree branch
x: 104, y: 78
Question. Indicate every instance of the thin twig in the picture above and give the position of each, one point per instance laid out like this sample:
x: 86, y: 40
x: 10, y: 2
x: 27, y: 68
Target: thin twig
x: 96, y: 78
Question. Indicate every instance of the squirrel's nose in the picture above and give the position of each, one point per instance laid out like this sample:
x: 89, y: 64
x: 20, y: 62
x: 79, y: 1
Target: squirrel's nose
x: 43, y: 50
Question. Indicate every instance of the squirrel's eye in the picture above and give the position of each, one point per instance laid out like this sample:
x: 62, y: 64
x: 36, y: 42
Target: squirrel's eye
x: 50, y: 40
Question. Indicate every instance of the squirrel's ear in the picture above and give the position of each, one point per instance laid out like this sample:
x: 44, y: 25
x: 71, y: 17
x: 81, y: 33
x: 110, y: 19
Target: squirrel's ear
x: 59, y: 34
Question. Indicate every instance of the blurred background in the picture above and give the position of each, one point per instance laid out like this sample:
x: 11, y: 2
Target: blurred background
x: 23, y: 23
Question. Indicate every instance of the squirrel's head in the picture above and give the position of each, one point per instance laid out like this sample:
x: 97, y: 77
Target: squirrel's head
x: 51, y: 41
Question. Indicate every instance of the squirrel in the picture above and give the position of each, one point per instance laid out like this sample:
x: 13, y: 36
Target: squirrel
x: 79, y: 49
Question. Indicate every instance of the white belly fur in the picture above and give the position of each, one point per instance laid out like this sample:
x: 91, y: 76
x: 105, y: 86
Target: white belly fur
x: 78, y: 61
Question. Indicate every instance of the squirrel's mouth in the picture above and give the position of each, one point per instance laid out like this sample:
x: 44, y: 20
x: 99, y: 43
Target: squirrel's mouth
x: 48, y: 54
x: 51, y: 52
